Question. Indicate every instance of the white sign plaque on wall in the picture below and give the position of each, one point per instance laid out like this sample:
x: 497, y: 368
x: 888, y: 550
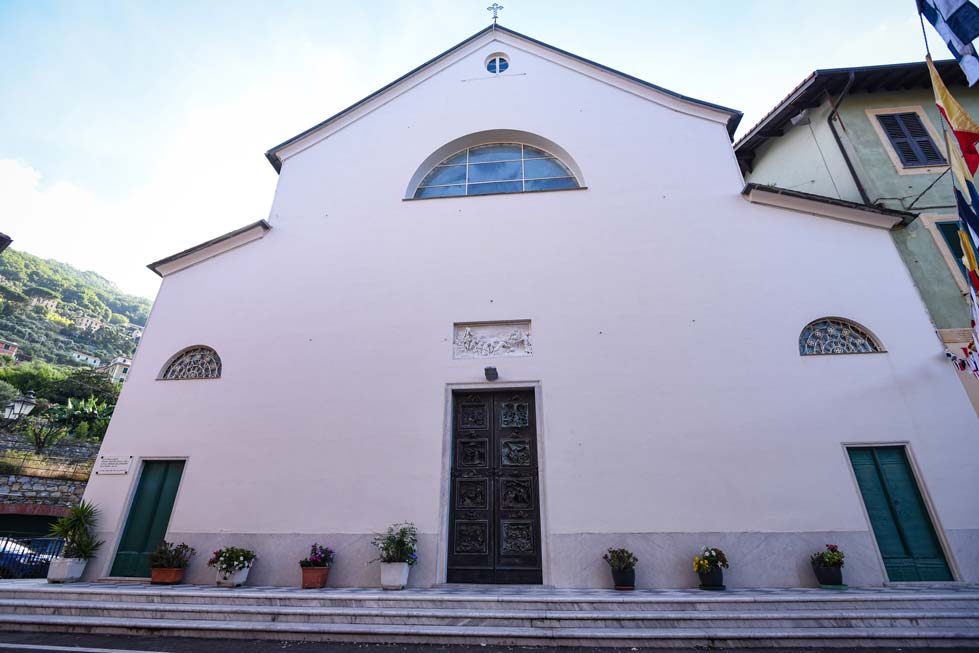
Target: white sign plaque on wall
x: 107, y: 465
x: 491, y: 339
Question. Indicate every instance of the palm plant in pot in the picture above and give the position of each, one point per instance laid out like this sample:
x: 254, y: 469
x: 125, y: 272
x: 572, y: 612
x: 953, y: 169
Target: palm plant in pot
x: 710, y: 565
x: 623, y: 565
x: 233, y: 564
x: 828, y: 566
x: 76, y: 530
x: 316, y: 568
x: 169, y: 562
x: 397, y: 553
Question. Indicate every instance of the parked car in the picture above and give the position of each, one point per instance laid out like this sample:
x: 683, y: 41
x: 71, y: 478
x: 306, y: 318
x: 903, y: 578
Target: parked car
x: 28, y: 558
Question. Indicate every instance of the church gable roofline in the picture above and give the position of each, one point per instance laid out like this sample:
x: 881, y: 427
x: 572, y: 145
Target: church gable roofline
x: 734, y: 116
x: 210, y: 249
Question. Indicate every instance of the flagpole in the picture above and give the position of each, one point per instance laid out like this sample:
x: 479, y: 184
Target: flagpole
x: 924, y: 34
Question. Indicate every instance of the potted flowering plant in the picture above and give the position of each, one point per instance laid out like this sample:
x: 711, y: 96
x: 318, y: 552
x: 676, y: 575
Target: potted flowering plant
x: 169, y: 562
x: 828, y: 566
x: 76, y: 530
x: 709, y: 565
x: 232, y: 564
x: 396, y: 553
x: 623, y: 564
x: 316, y: 568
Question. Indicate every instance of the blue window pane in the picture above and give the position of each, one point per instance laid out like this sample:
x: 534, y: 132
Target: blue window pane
x: 445, y: 175
x: 533, y: 153
x: 441, y: 191
x: 534, y: 168
x: 503, y: 64
x: 500, y: 171
x: 455, y: 158
x: 499, y: 187
x: 501, y: 152
x: 550, y: 184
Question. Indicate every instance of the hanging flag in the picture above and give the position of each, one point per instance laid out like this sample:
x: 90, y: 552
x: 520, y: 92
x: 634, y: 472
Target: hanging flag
x: 967, y: 184
x: 966, y: 129
x: 957, y: 21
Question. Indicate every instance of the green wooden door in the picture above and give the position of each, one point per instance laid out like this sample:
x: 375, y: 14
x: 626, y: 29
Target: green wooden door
x: 905, y: 535
x: 148, y: 517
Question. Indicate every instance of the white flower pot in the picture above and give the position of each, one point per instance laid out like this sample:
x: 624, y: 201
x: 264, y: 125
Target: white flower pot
x: 234, y: 579
x: 394, y: 575
x: 66, y: 570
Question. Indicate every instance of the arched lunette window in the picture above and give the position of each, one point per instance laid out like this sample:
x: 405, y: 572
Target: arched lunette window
x: 836, y: 335
x: 198, y: 362
x: 496, y: 168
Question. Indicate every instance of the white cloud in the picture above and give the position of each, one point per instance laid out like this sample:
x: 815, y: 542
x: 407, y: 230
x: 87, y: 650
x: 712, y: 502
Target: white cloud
x: 209, y: 179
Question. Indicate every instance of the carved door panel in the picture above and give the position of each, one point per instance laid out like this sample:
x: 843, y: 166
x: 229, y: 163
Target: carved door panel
x: 494, y: 521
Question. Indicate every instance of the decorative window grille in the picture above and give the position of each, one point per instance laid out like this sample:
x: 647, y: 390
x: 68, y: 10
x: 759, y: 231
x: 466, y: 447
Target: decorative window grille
x: 832, y: 335
x: 496, y: 168
x: 910, y: 139
x: 193, y: 363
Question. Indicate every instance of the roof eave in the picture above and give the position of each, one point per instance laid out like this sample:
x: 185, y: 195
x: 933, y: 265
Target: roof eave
x: 158, y: 266
x: 829, y: 207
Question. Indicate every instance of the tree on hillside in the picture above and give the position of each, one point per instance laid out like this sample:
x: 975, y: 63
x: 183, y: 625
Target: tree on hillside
x: 11, y: 295
x: 35, y: 376
x: 38, y: 291
x: 118, y: 319
x: 83, y: 383
x: 7, y: 394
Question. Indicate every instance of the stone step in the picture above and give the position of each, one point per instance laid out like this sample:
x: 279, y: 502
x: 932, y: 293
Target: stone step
x: 631, y: 637
x: 422, y: 599
x: 502, y: 618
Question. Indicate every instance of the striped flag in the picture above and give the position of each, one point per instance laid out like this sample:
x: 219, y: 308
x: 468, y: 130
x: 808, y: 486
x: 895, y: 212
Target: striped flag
x: 957, y: 21
x: 965, y: 128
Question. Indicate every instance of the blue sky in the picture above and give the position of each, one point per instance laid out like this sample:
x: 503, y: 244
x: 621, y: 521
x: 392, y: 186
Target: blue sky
x: 129, y: 131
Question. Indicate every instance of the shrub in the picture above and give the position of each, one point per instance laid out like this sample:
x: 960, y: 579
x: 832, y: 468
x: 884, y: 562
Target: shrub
x: 831, y: 557
x: 231, y: 559
x: 76, y: 529
x: 709, y: 558
x: 620, y: 559
x: 171, y: 556
x: 398, y: 544
x: 319, y: 556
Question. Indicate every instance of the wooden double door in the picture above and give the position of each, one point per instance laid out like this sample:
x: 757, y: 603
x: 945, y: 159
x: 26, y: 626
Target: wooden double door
x: 902, y: 526
x: 494, y: 519
x: 149, y: 516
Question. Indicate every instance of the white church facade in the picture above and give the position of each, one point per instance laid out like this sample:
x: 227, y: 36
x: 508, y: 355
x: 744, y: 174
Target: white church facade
x: 547, y: 318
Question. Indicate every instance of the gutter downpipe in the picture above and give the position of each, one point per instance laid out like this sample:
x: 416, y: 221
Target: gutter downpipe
x: 839, y: 141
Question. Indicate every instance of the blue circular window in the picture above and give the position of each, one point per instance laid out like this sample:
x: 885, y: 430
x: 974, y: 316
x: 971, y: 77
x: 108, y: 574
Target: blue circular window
x: 497, y: 64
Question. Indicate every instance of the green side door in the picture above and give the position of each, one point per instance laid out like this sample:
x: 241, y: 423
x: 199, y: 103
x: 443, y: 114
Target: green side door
x: 148, y: 518
x: 904, y: 532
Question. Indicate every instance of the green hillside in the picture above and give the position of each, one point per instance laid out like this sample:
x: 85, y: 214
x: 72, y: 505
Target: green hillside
x: 52, y: 335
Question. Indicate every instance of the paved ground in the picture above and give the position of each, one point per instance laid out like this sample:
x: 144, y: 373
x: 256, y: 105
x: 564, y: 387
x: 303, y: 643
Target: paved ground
x: 67, y: 643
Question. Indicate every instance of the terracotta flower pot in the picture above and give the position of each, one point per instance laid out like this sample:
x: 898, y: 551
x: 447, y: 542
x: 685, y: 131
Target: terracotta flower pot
x: 161, y: 576
x: 314, y: 578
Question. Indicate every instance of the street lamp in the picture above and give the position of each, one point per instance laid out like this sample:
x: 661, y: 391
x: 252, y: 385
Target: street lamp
x: 20, y: 407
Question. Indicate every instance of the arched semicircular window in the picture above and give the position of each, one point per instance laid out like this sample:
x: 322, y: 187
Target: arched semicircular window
x: 835, y: 335
x: 193, y: 363
x: 496, y: 168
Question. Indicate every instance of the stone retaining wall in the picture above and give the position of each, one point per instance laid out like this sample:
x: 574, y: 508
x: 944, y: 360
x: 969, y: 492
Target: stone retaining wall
x: 32, y: 490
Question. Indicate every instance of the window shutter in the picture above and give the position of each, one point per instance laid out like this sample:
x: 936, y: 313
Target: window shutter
x: 910, y: 139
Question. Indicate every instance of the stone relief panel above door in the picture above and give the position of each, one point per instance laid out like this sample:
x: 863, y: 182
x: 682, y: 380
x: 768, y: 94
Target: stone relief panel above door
x: 491, y: 339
